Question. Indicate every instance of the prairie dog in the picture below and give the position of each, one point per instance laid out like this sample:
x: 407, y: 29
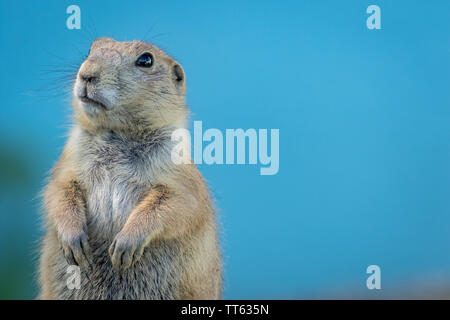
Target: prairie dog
x: 137, y: 225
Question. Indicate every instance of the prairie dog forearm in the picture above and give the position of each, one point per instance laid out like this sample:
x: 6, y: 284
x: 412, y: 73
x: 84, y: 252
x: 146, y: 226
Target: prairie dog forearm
x: 163, y: 213
x: 65, y: 204
x: 66, y: 208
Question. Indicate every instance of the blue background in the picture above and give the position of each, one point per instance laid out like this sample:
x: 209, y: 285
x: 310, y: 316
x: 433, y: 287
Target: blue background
x: 364, y: 134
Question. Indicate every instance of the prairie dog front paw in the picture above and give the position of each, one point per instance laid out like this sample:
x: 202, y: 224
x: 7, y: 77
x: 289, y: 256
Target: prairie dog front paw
x: 76, y: 248
x: 126, y: 250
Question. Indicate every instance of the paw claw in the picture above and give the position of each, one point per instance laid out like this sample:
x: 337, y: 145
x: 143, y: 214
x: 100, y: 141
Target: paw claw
x: 76, y: 249
x: 124, y: 251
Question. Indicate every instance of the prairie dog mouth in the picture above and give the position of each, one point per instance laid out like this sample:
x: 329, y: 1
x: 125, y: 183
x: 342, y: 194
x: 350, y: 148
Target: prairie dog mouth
x: 94, y: 103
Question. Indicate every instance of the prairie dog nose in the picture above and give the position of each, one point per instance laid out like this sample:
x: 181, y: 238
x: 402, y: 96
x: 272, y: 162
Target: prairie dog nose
x: 90, y: 71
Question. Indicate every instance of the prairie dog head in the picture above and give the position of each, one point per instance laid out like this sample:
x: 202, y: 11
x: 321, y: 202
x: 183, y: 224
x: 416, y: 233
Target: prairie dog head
x: 129, y: 85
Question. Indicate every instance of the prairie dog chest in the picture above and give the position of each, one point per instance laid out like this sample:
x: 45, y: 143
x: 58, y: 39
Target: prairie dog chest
x: 117, y: 172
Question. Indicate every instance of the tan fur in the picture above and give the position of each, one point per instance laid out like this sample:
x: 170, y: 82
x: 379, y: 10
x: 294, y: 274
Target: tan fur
x: 139, y: 226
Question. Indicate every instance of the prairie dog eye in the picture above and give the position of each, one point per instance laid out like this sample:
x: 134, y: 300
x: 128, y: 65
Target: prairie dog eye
x: 145, y: 60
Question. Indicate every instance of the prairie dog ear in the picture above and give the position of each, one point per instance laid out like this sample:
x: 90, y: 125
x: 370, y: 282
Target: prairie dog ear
x: 178, y: 77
